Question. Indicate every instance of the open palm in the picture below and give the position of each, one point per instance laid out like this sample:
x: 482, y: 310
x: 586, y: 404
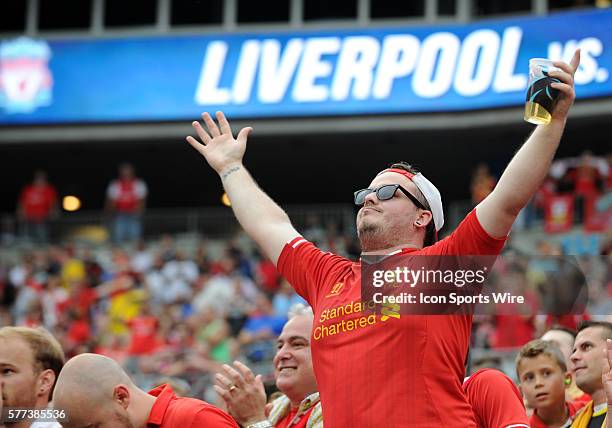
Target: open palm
x: 218, y: 145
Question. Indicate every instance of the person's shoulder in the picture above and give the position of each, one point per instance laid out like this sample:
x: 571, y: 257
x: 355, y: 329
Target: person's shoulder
x: 583, y: 414
x: 192, y: 412
x: 211, y: 416
x: 493, y: 381
x: 301, y: 247
x: 489, y: 375
x: 27, y: 188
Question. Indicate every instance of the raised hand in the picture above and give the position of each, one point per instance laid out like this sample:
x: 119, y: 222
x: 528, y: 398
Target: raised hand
x: 218, y: 145
x: 566, y: 86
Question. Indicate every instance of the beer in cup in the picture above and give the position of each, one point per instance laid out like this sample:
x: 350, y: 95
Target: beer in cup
x: 541, y: 97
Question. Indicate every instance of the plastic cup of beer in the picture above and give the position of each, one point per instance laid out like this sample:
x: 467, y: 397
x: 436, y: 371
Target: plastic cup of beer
x: 541, y: 97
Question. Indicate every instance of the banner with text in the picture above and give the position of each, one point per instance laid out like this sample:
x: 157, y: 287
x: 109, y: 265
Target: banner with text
x: 295, y: 74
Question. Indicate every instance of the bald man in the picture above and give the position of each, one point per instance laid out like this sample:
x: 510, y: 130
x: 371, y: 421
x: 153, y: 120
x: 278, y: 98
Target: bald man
x: 96, y: 393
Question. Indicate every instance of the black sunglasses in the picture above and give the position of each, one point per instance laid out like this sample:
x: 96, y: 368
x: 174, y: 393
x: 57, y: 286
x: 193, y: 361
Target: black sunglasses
x: 384, y: 193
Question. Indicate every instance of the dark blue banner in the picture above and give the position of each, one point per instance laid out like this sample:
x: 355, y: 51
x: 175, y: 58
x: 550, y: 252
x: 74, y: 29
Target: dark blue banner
x: 366, y: 71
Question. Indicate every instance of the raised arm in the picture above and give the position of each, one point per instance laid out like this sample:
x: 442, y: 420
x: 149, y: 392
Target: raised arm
x: 262, y: 219
x: 531, y: 163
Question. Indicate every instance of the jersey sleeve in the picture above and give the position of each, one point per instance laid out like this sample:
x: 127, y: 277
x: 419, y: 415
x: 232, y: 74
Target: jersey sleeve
x: 469, y: 238
x: 495, y: 400
x: 307, y: 268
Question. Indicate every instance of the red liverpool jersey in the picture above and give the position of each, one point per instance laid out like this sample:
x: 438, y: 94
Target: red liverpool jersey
x: 372, y: 370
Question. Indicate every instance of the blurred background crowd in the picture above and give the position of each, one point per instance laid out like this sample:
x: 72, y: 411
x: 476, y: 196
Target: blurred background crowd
x: 174, y: 293
x: 179, y: 306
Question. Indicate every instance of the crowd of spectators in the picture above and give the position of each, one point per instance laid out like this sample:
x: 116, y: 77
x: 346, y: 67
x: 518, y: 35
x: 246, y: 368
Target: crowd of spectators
x: 165, y: 310
x: 578, y: 191
x: 559, y: 290
x: 156, y: 309
x: 576, y: 194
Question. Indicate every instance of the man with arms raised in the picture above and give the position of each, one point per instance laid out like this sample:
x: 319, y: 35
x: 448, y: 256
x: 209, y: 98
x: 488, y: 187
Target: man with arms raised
x: 377, y: 370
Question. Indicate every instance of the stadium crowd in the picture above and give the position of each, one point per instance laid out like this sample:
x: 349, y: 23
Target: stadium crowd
x: 156, y: 317
x: 168, y: 313
x: 155, y: 309
x: 173, y: 314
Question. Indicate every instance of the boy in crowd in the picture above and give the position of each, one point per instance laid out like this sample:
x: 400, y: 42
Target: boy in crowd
x: 543, y: 377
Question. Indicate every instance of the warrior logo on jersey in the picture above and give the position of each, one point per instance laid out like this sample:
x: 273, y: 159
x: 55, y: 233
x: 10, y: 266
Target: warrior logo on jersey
x: 336, y: 289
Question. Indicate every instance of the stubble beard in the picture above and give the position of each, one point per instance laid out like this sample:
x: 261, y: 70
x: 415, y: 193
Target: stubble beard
x: 587, y: 384
x: 379, y: 236
x: 23, y: 400
x: 27, y: 402
x: 371, y: 236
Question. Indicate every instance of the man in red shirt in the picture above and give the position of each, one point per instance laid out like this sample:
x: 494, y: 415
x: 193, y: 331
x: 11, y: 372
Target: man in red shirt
x: 126, y: 197
x: 386, y: 369
x: 94, y: 391
x: 143, y: 332
x: 37, y: 204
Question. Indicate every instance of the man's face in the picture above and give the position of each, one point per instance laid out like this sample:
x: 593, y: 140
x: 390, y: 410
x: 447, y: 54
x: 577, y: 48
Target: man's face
x: 17, y: 373
x: 40, y: 179
x: 293, y: 361
x: 542, y: 381
x: 383, y: 224
x: 587, y: 358
x: 126, y: 172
